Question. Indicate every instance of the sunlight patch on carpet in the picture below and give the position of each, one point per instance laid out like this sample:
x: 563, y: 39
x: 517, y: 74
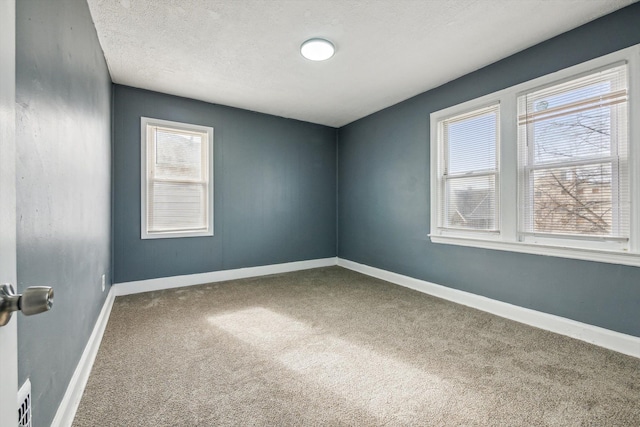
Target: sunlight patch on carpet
x: 384, y: 386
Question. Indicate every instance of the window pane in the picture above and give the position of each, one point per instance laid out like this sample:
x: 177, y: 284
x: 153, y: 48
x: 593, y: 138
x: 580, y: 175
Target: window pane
x: 471, y: 203
x: 567, y: 134
x: 573, y: 200
x: 471, y: 143
x: 573, y: 136
x: 178, y: 155
x: 564, y: 96
x: 176, y: 206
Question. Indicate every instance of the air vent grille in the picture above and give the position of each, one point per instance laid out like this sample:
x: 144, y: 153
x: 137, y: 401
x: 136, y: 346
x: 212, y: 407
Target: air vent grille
x: 24, y: 405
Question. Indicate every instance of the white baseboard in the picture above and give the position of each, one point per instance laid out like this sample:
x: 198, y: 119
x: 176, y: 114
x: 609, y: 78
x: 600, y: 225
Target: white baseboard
x: 149, y: 285
x: 612, y: 340
x: 69, y: 404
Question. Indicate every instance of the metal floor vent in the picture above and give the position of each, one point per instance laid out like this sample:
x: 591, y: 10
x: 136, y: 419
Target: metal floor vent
x: 24, y: 405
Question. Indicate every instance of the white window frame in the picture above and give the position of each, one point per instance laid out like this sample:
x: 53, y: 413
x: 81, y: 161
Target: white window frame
x: 146, y: 123
x: 443, y: 177
x: 509, y: 237
x: 597, y: 242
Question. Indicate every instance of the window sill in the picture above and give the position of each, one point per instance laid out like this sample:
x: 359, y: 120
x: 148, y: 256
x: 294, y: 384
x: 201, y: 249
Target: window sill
x: 598, y: 255
x: 176, y: 234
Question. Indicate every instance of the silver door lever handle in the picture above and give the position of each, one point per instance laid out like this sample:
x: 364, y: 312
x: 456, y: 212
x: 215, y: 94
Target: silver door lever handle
x: 34, y: 300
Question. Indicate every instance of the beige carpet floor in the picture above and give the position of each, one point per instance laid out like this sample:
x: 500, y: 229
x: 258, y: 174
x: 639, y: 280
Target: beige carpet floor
x: 334, y: 347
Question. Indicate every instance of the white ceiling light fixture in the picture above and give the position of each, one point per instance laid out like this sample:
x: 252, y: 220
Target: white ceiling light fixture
x: 317, y: 49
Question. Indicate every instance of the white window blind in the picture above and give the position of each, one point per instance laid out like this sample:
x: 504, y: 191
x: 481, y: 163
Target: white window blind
x: 178, y: 178
x: 573, y: 157
x: 469, y: 170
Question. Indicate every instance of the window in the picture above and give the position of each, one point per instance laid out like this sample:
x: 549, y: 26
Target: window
x: 469, y: 166
x: 550, y: 166
x: 573, y: 156
x: 177, y: 179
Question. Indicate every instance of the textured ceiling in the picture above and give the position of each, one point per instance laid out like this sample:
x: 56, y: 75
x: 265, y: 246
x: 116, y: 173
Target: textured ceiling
x: 245, y: 53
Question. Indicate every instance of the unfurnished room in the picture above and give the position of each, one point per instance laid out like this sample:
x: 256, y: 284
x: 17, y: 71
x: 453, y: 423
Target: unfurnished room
x: 319, y: 213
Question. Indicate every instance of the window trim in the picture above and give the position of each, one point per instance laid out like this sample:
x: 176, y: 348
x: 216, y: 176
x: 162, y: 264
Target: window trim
x: 508, y: 239
x: 145, y: 122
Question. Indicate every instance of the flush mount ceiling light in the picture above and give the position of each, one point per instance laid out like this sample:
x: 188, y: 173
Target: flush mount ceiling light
x: 317, y: 49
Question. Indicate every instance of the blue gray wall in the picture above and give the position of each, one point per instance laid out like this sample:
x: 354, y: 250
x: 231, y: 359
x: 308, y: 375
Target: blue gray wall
x: 63, y: 139
x: 383, y: 195
x: 274, y: 195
